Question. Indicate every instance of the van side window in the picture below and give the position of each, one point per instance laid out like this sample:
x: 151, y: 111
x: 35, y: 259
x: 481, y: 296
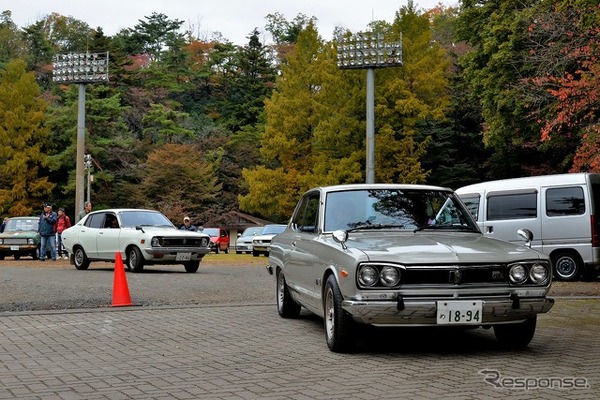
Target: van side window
x: 472, y: 203
x: 512, y: 206
x: 565, y: 201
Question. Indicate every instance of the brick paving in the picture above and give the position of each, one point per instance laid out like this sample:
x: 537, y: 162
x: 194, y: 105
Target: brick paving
x: 246, y: 351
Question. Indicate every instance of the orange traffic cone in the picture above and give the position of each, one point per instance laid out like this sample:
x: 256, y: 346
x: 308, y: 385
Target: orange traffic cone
x: 120, y: 289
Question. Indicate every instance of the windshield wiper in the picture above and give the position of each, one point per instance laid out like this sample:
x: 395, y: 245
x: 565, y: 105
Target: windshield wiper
x: 368, y: 225
x: 449, y: 227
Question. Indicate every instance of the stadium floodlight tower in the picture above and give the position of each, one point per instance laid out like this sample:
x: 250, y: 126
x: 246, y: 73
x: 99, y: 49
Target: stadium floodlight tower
x: 81, y: 69
x: 368, y: 50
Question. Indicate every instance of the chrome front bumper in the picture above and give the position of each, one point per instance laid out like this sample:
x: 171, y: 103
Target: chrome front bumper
x: 424, y: 312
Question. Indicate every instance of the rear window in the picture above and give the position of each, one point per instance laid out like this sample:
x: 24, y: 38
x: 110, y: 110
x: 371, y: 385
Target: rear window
x: 565, y: 201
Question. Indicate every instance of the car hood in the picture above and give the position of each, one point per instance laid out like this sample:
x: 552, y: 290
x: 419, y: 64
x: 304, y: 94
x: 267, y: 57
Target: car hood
x: 19, y: 234
x: 424, y: 248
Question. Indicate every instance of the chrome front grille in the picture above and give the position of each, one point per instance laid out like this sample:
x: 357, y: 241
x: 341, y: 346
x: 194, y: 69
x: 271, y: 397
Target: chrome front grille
x: 15, y: 241
x: 455, y: 275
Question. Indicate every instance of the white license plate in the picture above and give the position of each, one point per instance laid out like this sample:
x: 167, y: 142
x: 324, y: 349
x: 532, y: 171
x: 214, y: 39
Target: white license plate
x: 183, y: 257
x: 459, y: 312
x: 14, y: 248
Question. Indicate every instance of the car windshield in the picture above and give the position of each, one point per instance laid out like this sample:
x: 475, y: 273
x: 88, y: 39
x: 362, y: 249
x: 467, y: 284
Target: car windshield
x: 252, y: 231
x: 411, y: 209
x: 131, y: 219
x: 214, y: 232
x: 14, y: 225
x: 273, y: 229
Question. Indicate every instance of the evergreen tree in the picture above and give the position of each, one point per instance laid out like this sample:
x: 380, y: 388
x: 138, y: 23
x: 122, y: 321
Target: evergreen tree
x: 23, y: 142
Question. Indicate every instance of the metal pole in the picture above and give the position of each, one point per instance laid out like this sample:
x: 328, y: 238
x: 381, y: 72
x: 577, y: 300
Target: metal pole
x: 88, y: 185
x: 370, y: 175
x: 79, y: 179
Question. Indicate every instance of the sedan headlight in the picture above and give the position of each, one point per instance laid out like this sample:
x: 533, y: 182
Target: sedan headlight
x: 539, y: 274
x: 368, y: 276
x: 30, y: 241
x: 389, y: 276
x: 518, y: 274
x: 156, y: 242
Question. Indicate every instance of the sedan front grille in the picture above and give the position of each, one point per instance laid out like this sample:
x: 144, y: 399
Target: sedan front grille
x: 456, y: 275
x: 15, y: 241
x: 183, y: 242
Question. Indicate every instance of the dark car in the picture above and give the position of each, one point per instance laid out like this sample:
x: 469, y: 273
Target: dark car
x: 20, y: 238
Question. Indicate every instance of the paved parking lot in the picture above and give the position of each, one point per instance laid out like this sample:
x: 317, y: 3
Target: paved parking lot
x: 245, y: 351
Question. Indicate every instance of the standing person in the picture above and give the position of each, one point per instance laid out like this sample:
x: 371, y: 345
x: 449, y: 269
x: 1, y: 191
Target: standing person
x: 46, y: 230
x: 187, y: 225
x: 3, y: 225
x: 62, y: 222
x: 87, y: 207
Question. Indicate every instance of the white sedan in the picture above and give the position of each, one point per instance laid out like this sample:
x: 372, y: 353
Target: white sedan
x: 141, y: 236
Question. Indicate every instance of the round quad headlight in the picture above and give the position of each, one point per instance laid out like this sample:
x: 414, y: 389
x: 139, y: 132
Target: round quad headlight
x: 389, y: 276
x: 367, y: 276
x: 539, y: 274
x: 518, y: 274
x: 155, y: 242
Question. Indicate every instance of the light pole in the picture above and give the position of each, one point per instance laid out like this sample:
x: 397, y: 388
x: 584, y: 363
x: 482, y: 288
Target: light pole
x: 367, y: 50
x: 80, y: 68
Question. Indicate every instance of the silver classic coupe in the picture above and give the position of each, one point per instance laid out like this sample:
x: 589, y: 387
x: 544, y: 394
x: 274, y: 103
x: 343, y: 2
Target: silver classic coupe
x: 142, y: 237
x: 393, y: 255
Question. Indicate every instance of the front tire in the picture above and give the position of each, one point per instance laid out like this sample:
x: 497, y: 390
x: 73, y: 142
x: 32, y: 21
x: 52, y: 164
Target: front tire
x: 286, y: 306
x: 135, y: 260
x: 217, y: 249
x: 516, y: 335
x: 191, y: 266
x: 80, y: 259
x: 338, y: 323
x: 17, y: 257
x: 566, y: 266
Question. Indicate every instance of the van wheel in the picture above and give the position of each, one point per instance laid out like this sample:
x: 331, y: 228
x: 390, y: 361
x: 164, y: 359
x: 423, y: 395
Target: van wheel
x: 566, y: 266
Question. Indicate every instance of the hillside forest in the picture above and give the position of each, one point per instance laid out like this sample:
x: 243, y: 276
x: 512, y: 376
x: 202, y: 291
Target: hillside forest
x: 200, y: 126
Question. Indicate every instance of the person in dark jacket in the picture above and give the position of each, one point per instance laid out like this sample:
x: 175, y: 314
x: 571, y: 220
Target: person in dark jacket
x: 46, y: 230
x: 187, y: 225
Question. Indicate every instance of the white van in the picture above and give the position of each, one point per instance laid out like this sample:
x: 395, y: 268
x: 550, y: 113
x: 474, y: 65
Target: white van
x: 562, y: 211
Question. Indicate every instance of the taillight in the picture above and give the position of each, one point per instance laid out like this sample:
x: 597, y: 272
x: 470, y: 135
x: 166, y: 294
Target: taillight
x: 594, y: 223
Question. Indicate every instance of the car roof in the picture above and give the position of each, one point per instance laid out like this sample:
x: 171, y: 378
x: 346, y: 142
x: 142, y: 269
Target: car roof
x: 377, y: 186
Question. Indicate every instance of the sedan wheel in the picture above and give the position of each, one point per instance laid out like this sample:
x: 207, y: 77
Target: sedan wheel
x: 191, y: 266
x: 286, y: 306
x: 80, y: 259
x: 17, y: 256
x: 135, y: 260
x: 516, y: 335
x: 338, y: 323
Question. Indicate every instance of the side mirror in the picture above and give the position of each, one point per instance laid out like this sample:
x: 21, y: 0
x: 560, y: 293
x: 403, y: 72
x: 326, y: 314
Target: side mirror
x: 527, y: 235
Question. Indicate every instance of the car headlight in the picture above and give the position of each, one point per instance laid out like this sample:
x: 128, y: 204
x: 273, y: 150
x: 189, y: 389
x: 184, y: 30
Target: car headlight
x: 539, y: 274
x: 1, y: 241
x: 518, y: 274
x: 368, y: 276
x: 389, y: 276
x: 155, y: 242
x: 30, y: 241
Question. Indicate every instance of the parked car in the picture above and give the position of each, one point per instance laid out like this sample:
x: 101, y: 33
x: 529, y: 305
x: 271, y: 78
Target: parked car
x: 219, y: 239
x: 20, y: 238
x: 389, y: 254
x: 562, y: 211
x: 262, y: 242
x: 243, y: 244
x: 143, y: 237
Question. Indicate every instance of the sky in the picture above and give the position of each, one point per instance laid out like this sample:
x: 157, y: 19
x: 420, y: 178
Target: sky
x: 234, y: 19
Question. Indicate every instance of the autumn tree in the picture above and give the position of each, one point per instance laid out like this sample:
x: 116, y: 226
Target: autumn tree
x: 23, y: 139
x: 177, y: 181
x: 311, y: 136
x: 565, y: 52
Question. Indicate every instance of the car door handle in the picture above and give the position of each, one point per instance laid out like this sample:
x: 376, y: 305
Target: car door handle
x: 489, y: 229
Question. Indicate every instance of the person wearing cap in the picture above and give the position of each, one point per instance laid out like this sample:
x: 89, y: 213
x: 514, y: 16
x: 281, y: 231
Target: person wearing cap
x: 62, y: 222
x: 46, y: 229
x: 187, y: 225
